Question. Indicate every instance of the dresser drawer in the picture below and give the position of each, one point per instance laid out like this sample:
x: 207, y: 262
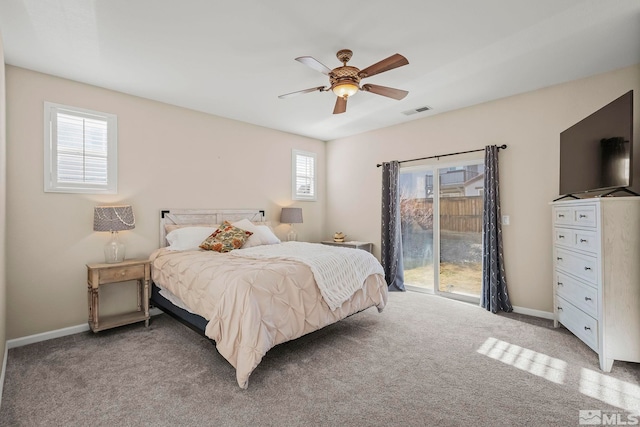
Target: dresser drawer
x: 577, y: 293
x: 121, y: 274
x: 581, y: 324
x: 582, y: 266
x: 585, y: 240
x: 563, y: 215
x: 584, y: 216
x: 564, y: 237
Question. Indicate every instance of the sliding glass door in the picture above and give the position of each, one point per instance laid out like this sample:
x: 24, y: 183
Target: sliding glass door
x: 441, y: 214
x: 417, y: 221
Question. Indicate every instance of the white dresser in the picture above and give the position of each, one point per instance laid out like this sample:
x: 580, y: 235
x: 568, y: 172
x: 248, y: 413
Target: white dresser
x: 596, y: 260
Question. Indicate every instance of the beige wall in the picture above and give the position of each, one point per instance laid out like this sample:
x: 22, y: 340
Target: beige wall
x: 529, y: 124
x: 173, y: 157
x: 3, y: 195
x: 169, y: 157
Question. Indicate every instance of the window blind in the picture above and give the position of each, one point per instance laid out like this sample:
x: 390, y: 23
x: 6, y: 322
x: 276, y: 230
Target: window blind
x: 82, y: 149
x: 305, y: 174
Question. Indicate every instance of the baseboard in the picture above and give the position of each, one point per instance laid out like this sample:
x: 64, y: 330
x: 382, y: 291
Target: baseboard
x: 532, y: 312
x: 58, y: 333
x: 4, y: 369
x: 44, y: 336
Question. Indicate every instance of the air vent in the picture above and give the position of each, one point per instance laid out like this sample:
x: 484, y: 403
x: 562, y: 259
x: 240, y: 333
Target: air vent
x: 416, y: 110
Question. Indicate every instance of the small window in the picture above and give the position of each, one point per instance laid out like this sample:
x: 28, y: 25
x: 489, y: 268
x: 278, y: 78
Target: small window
x: 304, y: 175
x: 80, y: 150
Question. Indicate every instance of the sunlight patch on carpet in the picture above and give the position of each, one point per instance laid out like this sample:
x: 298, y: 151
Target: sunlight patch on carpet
x: 610, y: 390
x: 536, y: 363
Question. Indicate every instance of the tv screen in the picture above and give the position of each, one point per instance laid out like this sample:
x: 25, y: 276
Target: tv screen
x: 597, y: 152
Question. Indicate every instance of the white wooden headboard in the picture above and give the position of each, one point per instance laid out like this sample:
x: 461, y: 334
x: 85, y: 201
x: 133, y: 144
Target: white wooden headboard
x: 204, y: 217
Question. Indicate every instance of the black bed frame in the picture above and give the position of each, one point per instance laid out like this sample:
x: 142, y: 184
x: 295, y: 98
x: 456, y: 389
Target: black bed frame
x: 193, y: 321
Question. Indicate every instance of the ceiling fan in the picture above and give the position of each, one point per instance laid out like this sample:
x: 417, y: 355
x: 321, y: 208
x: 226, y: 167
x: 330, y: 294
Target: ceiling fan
x: 345, y: 80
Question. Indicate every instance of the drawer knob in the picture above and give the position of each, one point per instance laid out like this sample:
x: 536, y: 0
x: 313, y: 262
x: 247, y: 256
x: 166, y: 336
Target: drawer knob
x: 587, y: 299
x: 583, y: 240
x: 559, y: 308
x: 560, y: 215
x: 559, y: 258
x: 582, y: 216
x: 560, y: 284
x: 123, y: 273
x: 587, y: 269
x: 561, y: 236
x: 586, y: 328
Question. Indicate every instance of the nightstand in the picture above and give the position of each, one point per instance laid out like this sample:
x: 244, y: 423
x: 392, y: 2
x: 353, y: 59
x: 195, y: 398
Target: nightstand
x: 103, y: 274
x: 365, y: 246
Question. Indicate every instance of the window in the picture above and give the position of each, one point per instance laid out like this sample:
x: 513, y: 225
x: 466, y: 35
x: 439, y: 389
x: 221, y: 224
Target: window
x: 303, y: 175
x: 80, y: 150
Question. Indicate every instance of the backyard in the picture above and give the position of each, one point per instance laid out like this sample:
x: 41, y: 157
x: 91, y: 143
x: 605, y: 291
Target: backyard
x: 457, y: 278
x: 460, y: 244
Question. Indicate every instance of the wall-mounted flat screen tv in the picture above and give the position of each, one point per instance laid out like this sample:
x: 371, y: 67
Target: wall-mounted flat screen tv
x: 597, y: 152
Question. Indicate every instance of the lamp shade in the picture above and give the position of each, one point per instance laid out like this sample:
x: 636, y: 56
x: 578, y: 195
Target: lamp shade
x: 345, y: 89
x: 291, y: 216
x: 113, y: 218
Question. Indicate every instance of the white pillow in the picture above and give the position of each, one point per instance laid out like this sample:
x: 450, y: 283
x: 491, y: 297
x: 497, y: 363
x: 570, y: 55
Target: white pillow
x: 262, y: 234
x: 188, y: 238
x: 245, y: 224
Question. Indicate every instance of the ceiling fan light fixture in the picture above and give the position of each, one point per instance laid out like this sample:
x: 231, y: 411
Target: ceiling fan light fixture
x: 344, y: 81
x: 345, y: 89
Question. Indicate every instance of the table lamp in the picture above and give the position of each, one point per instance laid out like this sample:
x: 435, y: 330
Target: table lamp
x: 113, y: 219
x: 291, y: 216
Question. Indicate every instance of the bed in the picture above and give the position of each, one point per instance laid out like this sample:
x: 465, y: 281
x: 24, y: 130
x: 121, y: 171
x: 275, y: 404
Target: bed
x: 267, y: 292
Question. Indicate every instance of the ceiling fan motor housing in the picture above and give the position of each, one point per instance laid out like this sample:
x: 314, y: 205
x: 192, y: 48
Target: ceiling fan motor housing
x: 344, y: 74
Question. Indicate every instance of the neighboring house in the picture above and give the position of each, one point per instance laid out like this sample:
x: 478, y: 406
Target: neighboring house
x: 474, y: 186
x: 454, y: 182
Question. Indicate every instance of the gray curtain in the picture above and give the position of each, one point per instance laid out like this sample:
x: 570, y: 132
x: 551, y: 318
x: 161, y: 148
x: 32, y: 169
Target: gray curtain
x: 391, y: 233
x: 494, y: 295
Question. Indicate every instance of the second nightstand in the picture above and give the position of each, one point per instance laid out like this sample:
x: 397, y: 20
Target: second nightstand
x: 102, y: 274
x: 365, y: 246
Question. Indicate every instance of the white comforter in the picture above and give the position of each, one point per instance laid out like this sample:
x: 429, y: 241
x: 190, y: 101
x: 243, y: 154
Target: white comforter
x: 338, y: 272
x: 255, y: 303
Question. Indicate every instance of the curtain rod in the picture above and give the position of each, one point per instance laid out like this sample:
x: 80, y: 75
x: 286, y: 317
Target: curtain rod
x: 501, y: 147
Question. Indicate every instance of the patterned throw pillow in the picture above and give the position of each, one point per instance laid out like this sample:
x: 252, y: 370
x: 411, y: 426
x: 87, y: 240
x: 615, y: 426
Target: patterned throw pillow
x: 226, y: 238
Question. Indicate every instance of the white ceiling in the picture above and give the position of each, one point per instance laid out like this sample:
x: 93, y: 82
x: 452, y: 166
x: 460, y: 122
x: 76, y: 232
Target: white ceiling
x: 234, y: 58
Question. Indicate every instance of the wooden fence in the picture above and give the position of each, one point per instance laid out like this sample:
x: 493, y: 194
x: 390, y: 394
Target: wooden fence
x: 458, y: 214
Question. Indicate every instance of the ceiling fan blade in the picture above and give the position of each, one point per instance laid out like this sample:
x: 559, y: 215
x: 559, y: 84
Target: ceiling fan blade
x: 394, y: 61
x: 385, y: 91
x: 300, y: 92
x: 312, y: 62
x: 341, y: 105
